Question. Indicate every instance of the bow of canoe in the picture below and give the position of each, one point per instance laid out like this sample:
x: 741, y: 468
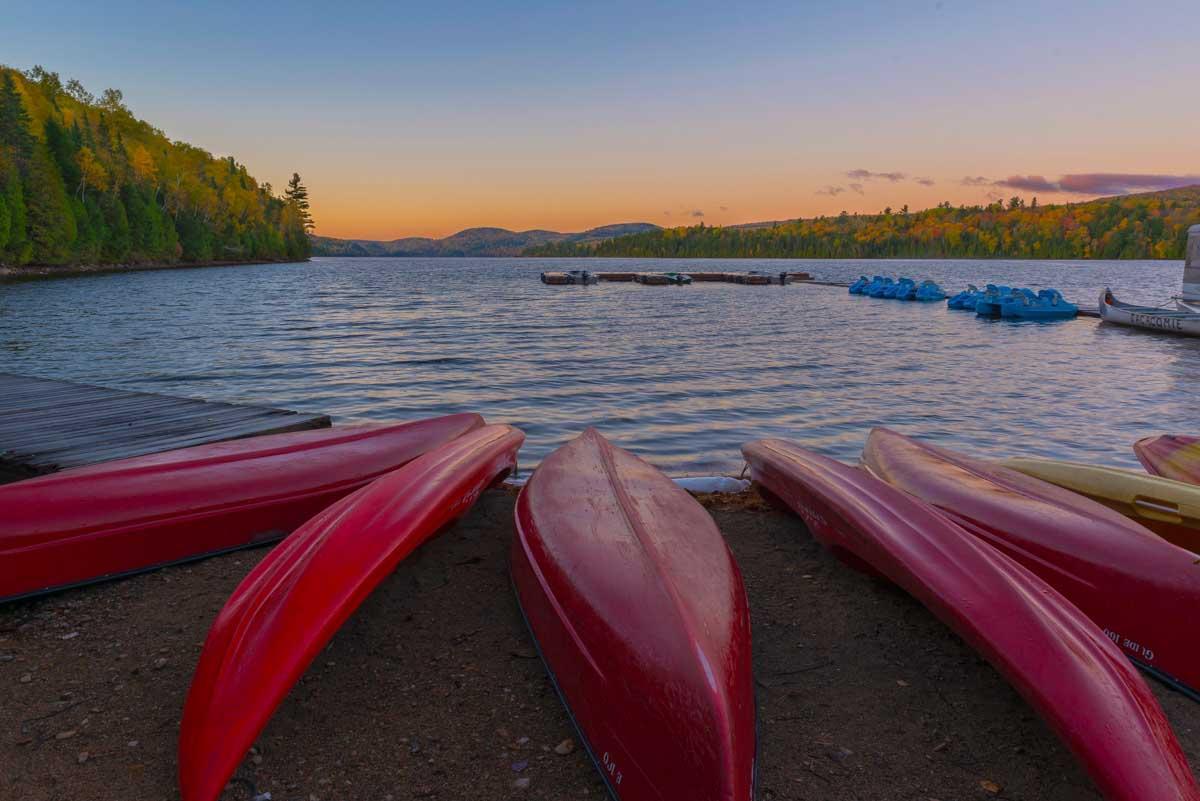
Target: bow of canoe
x: 1128, y: 580
x: 1059, y: 661
x: 109, y: 520
x: 1171, y: 456
x: 1171, y: 509
x: 640, y: 614
x: 295, y: 599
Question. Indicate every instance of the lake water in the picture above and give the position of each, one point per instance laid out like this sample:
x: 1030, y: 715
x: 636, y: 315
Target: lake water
x: 680, y: 375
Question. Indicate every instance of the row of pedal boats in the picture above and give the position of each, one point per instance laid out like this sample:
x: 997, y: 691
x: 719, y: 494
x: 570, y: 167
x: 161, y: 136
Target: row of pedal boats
x: 991, y: 301
x: 1064, y: 577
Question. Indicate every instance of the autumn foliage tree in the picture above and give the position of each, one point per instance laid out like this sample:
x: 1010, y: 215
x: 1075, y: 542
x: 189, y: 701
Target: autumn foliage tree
x: 1144, y: 226
x: 84, y: 181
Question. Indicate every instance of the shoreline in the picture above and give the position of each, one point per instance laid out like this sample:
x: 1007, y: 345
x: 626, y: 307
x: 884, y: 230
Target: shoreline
x: 33, y: 271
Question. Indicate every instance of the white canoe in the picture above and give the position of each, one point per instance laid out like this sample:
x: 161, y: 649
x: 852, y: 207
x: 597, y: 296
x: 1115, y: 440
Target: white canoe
x: 1155, y: 319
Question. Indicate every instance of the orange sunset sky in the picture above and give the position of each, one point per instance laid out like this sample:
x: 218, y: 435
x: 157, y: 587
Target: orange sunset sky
x: 414, y: 120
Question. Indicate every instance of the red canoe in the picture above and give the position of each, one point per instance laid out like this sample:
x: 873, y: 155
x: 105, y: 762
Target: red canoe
x: 110, y: 520
x: 286, y: 610
x: 1132, y: 583
x: 639, y: 612
x: 1170, y: 456
x: 1057, y: 659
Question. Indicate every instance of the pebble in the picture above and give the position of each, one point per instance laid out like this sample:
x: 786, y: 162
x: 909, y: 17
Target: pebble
x: 520, y: 766
x: 66, y: 735
x: 160, y: 663
x: 522, y: 783
x: 990, y: 786
x: 26, y: 678
x: 133, y: 743
x: 565, y: 747
x: 71, y: 636
x: 83, y: 757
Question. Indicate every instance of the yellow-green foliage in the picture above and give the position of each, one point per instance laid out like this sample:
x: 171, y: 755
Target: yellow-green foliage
x: 1146, y: 226
x: 84, y: 181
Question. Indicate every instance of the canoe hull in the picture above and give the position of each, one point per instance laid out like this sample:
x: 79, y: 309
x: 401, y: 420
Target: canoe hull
x: 291, y: 604
x: 653, y: 666
x: 1063, y: 665
x: 1171, y: 509
x: 1149, y: 319
x: 1170, y: 456
x: 1129, y: 581
x: 115, y: 519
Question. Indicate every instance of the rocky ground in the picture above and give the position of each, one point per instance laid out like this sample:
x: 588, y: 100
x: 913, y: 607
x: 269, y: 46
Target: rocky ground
x: 433, y: 688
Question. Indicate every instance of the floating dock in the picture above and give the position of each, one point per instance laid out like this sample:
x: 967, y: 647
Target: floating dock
x: 752, y: 278
x: 48, y: 425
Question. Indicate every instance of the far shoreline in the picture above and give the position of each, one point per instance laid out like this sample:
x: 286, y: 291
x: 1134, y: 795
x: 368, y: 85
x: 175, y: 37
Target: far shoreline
x: 33, y: 271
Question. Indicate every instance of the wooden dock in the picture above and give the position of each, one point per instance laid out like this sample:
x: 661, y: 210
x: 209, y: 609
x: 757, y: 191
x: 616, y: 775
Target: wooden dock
x: 48, y: 425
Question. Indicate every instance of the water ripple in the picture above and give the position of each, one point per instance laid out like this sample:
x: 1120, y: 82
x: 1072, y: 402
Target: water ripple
x: 681, y: 375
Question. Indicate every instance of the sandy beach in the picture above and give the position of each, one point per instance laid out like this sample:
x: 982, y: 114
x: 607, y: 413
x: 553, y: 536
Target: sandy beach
x: 433, y: 688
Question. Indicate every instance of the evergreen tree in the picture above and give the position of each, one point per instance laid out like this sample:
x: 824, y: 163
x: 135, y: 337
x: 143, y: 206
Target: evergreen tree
x: 297, y: 194
x: 15, y: 136
x: 96, y: 184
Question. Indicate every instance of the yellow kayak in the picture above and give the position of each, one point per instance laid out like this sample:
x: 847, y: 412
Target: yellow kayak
x: 1169, y: 508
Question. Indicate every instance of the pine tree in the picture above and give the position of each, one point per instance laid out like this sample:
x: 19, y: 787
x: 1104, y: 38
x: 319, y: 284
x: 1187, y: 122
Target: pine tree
x: 15, y: 135
x: 297, y: 194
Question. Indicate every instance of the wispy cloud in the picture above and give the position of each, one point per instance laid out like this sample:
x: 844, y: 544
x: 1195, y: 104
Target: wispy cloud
x: 857, y: 188
x: 695, y: 213
x: 1086, y: 183
x: 724, y: 208
x: 1100, y: 183
x: 925, y: 181
x: 832, y: 191
x: 867, y: 175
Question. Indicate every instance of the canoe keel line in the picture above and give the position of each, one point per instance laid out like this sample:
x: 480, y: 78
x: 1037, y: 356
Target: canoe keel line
x: 290, y: 605
x: 1056, y: 658
x: 1129, y: 581
x: 125, y: 517
x: 639, y: 613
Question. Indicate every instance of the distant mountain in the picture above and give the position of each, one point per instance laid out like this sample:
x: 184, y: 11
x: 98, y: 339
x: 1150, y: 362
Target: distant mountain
x: 472, y: 242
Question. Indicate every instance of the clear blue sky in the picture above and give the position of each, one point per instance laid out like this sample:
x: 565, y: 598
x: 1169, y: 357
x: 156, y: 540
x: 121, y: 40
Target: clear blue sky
x: 408, y: 119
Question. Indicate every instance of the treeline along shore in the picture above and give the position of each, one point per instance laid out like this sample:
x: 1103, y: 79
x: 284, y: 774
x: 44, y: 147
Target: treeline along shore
x: 84, y: 184
x: 1143, y: 226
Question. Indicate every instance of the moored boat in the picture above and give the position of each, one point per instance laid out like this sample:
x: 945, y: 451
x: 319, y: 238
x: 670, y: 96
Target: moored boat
x: 640, y: 615
x: 113, y: 519
x: 1170, y: 456
x: 1049, y: 651
x: 1047, y: 304
x: 1171, y: 509
x: 928, y: 291
x: 1128, y: 580
x: 1189, y: 298
x: 653, y: 279
x: 582, y: 277
x: 290, y: 605
x: 1171, y: 321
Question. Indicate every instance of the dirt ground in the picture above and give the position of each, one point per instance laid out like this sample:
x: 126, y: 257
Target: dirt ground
x: 433, y: 688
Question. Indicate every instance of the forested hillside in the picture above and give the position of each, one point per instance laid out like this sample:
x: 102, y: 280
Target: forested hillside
x: 1145, y: 226
x: 83, y: 181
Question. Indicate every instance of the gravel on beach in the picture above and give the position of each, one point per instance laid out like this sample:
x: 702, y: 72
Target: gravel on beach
x: 433, y: 688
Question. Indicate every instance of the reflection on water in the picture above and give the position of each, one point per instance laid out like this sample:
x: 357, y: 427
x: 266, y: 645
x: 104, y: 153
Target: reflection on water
x: 682, y: 375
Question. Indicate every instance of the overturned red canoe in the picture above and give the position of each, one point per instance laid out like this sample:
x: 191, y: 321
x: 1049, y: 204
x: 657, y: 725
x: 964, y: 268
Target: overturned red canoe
x: 1130, y: 582
x: 286, y: 610
x: 109, y: 520
x: 640, y: 614
x: 1171, y: 456
x: 1056, y: 658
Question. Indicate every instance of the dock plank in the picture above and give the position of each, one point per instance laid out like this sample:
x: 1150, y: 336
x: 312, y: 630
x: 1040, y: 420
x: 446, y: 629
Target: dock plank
x: 48, y: 425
